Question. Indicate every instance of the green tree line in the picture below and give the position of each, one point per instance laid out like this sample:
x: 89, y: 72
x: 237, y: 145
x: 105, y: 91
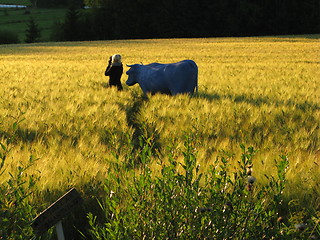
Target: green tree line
x: 56, y: 3
x: 125, y: 19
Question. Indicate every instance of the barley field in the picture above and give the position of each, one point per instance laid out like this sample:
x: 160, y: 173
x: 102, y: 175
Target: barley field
x: 263, y: 92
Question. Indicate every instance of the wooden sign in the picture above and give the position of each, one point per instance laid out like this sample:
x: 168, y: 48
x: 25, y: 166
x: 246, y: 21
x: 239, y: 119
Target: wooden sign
x: 56, y: 211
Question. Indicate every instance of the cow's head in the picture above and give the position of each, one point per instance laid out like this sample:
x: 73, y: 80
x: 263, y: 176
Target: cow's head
x: 132, y: 74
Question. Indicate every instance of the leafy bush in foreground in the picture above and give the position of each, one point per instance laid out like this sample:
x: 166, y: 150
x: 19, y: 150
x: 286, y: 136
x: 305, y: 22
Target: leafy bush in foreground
x: 217, y: 204
x: 179, y: 202
x: 16, y: 210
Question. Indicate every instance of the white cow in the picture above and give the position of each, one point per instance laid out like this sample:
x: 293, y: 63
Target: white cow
x: 173, y: 78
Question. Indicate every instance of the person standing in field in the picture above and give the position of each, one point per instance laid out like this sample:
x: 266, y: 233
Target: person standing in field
x: 114, y: 71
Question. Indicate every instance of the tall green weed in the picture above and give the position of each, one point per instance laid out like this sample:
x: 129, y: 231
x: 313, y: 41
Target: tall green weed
x: 183, y: 201
x: 16, y: 206
x: 180, y: 201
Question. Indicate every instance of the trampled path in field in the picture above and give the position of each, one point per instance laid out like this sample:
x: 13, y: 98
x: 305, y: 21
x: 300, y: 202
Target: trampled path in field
x: 144, y: 134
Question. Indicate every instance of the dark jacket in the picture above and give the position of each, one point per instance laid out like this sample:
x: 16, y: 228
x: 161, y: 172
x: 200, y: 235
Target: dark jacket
x: 115, y: 73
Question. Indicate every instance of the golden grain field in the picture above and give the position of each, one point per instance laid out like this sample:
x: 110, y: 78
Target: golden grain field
x: 263, y: 92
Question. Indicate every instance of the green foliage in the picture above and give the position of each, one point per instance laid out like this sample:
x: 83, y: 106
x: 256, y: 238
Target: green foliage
x: 112, y: 19
x: 174, y: 18
x: 32, y: 32
x: 16, y: 2
x: 181, y: 202
x: 77, y: 26
x: 71, y: 27
x: 16, y: 210
x: 15, y: 20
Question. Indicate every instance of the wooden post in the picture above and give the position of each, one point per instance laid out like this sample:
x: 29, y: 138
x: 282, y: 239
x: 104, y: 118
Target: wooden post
x: 60, y: 231
x: 56, y: 212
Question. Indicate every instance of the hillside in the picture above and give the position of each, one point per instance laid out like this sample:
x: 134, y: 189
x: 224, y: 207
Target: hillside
x: 16, y: 20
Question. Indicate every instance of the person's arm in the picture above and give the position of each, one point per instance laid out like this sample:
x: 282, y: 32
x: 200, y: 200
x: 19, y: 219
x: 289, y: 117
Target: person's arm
x: 106, y: 73
x: 111, y: 71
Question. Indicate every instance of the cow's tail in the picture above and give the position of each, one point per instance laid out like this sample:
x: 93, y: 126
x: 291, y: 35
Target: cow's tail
x: 197, y: 84
x: 196, y: 88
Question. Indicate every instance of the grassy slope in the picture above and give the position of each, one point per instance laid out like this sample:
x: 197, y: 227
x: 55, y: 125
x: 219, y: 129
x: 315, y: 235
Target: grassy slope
x: 16, y: 2
x: 262, y: 92
x: 16, y: 20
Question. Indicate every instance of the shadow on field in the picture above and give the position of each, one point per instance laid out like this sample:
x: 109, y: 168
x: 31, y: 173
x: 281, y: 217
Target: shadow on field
x: 23, y: 135
x: 207, y: 96
x: 306, y: 36
x: 258, y: 101
x: 104, y: 85
x: 237, y: 98
x: 145, y: 135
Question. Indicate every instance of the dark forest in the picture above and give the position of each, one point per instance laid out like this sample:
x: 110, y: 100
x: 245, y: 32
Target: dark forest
x: 127, y: 19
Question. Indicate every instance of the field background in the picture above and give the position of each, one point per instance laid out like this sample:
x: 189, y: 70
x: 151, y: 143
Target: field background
x: 262, y: 92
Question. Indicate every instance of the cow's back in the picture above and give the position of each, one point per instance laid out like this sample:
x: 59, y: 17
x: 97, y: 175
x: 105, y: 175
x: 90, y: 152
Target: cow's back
x: 152, y: 78
x: 182, y: 77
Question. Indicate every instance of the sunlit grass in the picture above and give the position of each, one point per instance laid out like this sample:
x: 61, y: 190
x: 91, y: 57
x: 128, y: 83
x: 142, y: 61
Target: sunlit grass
x: 263, y: 92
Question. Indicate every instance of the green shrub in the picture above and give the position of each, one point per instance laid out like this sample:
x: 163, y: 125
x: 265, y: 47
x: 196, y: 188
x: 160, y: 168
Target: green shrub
x: 220, y: 203
x: 16, y: 210
x: 181, y: 201
x: 33, y: 32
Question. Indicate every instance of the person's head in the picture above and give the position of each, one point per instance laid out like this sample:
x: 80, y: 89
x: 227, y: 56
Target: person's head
x: 116, y: 58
